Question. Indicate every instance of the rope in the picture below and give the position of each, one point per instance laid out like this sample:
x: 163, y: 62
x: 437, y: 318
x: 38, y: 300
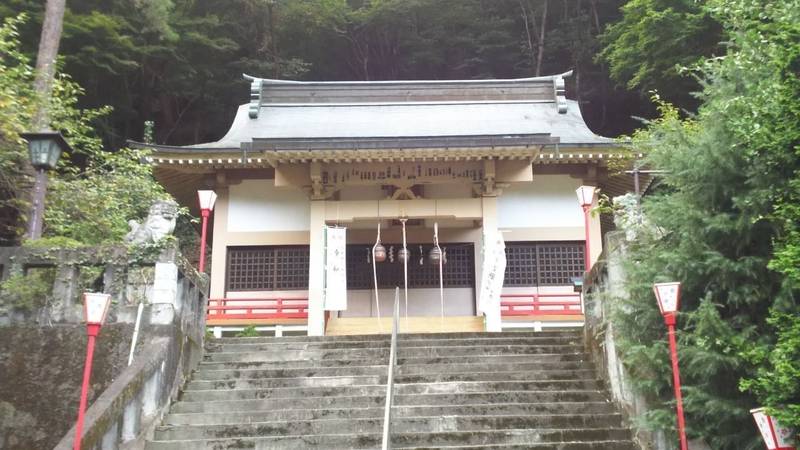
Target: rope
x: 375, y: 275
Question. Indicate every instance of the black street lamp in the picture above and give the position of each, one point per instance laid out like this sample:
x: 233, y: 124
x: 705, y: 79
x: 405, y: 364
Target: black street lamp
x: 45, y: 147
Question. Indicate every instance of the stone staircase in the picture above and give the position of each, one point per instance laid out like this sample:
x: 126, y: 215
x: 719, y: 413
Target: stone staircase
x: 454, y: 390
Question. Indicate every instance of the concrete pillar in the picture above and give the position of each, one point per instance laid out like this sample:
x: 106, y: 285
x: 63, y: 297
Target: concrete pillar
x: 165, y: 303
x: 150, y: 394
x: 65, y: 293
x: 131, y: 418
x: 316, y: 269
x: 110, y: 440
x: 218, y: 250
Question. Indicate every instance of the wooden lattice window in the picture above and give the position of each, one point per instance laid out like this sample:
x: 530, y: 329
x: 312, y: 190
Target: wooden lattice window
x: 543, y: 263
x: 458, y: 272
x: 267, y: 268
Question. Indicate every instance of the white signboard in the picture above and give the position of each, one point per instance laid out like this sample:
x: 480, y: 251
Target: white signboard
x: 492, y: 275
x: 335, y: 269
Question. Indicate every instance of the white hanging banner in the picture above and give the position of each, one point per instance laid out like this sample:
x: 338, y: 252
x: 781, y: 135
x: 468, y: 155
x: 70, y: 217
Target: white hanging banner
x: 492, y: 276
x: 335, y: 269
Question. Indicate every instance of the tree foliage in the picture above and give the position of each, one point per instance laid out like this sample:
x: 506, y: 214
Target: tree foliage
x: 655, y: 40
x: 93, y: 192
x: 727, y: 229
x: 179, y: 62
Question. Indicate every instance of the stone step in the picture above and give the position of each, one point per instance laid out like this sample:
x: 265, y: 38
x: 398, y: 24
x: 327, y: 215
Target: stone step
x: 547, y: 438
x: 255, y: 360
x: 204, y: 374
x: 360, y: 401
x: 494, y: 365
x: 281, y: 365
x: 382, y: 353
x: 541, y: 375
x: 205, y: 406
x: 429, y: 424
x: 540, y: 370
x: 490, y: 360
x: 279, y: 345
x: 531, y: 409
x: 270, y: 383
x: 258, y: 380
x: 459, y: 387
x: 282, y: 393
x: 578, y: 334
x: 594, y: 445
x: 509, y: 390
x: 454, y: 387
x: 527, y: 396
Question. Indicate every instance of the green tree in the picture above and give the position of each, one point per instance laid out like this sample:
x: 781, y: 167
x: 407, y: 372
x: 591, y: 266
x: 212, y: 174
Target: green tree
x: 655, y: 39
x: 179, y: 62
x: 93, y: 192
x: 724, y: 229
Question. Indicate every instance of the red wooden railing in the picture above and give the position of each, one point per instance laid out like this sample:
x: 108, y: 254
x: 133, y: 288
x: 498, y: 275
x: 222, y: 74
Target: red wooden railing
x: 258, y: 308
x: 540, y: 304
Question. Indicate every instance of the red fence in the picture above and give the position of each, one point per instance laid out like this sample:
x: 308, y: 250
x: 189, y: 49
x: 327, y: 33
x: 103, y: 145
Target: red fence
x: 258, y: 308
x: 540, y: 304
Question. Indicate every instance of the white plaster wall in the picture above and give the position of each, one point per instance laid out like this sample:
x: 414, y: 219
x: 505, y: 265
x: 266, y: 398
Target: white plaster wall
x: 547, y: 201
x: 257, y: 205
x: 421, y: 302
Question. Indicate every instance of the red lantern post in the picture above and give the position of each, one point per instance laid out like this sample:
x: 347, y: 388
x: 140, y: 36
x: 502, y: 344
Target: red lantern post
x: 206, y: 200
x: 95, y: 310
x: 668, y: 297
x: 586, y: 198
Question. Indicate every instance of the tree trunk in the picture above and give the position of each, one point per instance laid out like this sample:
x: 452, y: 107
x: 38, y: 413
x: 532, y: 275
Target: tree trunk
x: 273, y: 41
x: 540, y: 51
x: 528, y: 35
x: 595, y: 15
x: 46, y: 61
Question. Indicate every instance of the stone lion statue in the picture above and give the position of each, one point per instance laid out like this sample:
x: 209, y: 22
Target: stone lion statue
x: 160, y: 222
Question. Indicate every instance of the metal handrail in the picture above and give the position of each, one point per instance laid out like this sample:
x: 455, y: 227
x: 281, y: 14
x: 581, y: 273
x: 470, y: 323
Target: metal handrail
x: 387, y: 415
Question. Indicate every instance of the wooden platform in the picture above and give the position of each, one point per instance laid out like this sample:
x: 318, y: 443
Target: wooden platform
x: 371, y: 325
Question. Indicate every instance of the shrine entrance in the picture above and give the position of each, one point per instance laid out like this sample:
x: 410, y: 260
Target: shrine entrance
x: 430, y: 306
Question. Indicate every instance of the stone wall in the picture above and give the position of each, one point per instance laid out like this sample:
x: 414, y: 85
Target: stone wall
x: 41, y: 369
x: 43, y: 345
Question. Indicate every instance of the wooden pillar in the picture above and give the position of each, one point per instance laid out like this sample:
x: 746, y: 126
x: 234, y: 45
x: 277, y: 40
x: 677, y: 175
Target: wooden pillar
x: 489, y: 211
x: 595, y: 237
x: 219, y: 252
x: 316, y: 269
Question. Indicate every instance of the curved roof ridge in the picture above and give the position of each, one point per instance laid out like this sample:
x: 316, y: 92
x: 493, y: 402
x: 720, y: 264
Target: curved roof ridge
x: 387, y: 82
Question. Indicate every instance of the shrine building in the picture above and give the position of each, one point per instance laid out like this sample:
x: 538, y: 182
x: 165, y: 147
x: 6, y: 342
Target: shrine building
x: 476, y: 157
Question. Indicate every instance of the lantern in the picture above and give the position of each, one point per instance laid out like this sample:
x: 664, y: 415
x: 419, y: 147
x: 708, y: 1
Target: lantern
x: 668, y: 296
x: 776, y: 437
x: 95, y: 307
x: 379, y: 252
x: 585, y: 195
x: 45, y: 148
x: 206, y: 199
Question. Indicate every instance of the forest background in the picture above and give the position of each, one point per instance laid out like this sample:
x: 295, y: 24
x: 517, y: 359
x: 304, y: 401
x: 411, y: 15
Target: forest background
x: 718, y: 80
